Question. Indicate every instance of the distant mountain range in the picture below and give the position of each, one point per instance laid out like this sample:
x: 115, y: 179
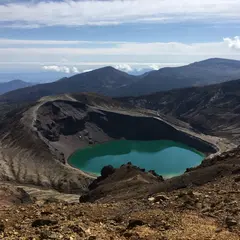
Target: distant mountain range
x: 112, y: 82
x: 13, y: 85
x: 201, y: 73
x: 35, y: 77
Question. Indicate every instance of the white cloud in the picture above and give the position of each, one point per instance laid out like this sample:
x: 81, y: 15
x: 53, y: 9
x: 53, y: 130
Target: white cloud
x: 233, y: 42
x: 123, y: 67
x: 74, y: 13
x: 154, y: 67
x: 87, y: 70
x: 56, y: 68
x: 122, y: 49
x: 75, y: 70
x: 135, y: 67
x: 63, y: 69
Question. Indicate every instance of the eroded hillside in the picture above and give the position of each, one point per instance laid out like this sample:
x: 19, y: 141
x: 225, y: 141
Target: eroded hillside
x: 127, y: 210
x: 37, y: 140
x: 124, y: 203
x: 211, y: 109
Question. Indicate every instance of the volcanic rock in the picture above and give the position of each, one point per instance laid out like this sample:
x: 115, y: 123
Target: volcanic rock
x: 134, y: 223
x: 43, y: 222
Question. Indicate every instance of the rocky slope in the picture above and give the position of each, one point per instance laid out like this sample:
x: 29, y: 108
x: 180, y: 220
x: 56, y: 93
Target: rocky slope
x: 203, y: 211
x: 39, y: 138
x: 142, y: 220
x: 11, y: 195
x: 124, y: 203
x: 62, y: 122
x: 211, y: 109
x: 27, y: 158
x: 113, y: 183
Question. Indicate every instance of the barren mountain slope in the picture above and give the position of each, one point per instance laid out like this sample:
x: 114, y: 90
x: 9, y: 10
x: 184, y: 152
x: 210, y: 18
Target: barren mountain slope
x: 124, y: 203
x: 37, y: 140
x: 203, y: 211
x: 214, y: 109
x: 27, y: 158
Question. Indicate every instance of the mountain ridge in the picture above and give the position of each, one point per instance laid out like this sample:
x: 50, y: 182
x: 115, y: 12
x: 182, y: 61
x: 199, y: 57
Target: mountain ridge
x: 112, y: 82
x: 212, y: 109
x: 206, y: 72
x: 13, y: 85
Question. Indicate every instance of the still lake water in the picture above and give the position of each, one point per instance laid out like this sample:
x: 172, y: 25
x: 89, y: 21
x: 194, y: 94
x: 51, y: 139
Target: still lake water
x: 167, y: 158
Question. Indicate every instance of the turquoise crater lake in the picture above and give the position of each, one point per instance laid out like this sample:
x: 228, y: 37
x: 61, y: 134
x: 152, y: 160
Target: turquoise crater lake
x: 167, y: 158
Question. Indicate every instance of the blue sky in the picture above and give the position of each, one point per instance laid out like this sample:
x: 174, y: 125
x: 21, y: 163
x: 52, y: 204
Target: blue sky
x: 69, y: 37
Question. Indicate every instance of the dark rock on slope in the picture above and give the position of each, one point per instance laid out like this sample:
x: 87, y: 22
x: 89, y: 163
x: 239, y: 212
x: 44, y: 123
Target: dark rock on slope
x: 28, y: 158
x: 121, y: 183
x: 62, y: 121
x: 129, y: 181
x: 10, y: 195
x: 213, y: 109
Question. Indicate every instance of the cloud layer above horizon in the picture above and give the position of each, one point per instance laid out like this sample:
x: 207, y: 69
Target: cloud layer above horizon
x: 35, y: 14
x: 73, y: 36
x: 129, y: 68
x: 77, y: 56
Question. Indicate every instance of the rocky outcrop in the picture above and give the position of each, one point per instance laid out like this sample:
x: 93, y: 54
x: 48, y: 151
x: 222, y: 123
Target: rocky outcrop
x: 56, y: 118
x: 28, y: 158
x: 210, y: 170
x: 10, y: 195
x: 128, y: 181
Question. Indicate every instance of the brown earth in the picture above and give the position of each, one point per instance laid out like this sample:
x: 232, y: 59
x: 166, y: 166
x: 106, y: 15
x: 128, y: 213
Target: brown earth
x: 10, y: 195
x: 209, y: 211
x: 124, y: 203
x: 122, y: 220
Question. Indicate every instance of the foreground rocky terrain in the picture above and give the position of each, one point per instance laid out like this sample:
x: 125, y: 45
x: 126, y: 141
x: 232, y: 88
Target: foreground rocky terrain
x: 126, y: 203
x: 209, y: 211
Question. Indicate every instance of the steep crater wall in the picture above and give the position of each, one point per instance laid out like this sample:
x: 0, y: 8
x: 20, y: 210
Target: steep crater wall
x: 143, y: 128
x: 74, y: 125
x: 36, y: 142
